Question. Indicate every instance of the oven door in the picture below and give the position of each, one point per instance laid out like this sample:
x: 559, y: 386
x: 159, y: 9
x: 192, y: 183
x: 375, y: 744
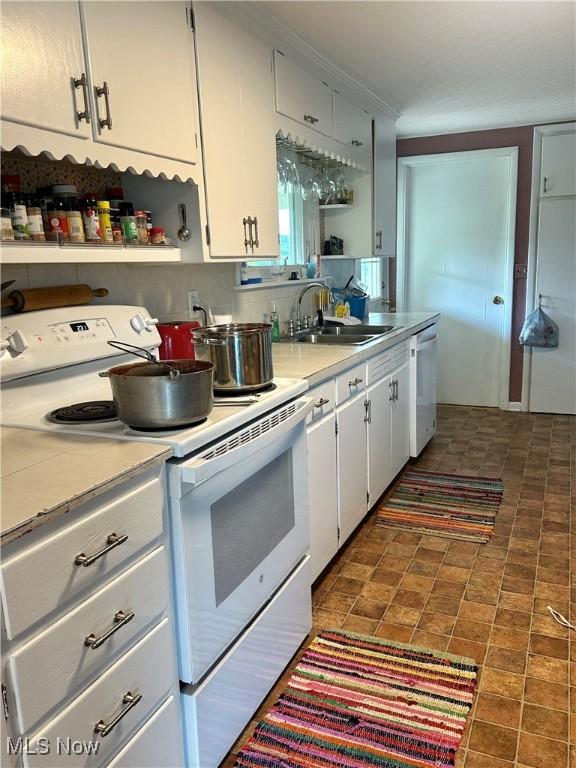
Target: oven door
x: 239, y: 517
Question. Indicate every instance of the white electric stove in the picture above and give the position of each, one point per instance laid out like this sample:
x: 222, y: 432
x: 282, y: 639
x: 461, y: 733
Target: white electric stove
x: 51, y: 359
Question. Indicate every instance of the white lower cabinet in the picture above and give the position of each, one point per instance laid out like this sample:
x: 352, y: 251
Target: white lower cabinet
x: 388, y: 430
x: 110, y: 710
x: 380, y: 473
x: 352, y: 465
x: 157, y: 743
x: 322, y: 492
x: 400, y: 420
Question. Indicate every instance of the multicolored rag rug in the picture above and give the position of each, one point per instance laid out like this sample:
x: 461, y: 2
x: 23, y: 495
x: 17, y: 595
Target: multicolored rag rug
x: 455, y: 506
x: 356, y: 701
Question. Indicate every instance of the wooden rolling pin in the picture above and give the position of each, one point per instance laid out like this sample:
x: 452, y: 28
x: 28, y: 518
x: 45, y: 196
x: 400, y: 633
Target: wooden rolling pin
x: 31, y: 299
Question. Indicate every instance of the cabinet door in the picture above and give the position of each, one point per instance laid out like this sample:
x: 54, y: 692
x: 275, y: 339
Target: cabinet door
x: 41, y: 55
x: 220, y: 89
x: 384, y: 191
x: 145, y: 53
x: 558, y: 165
x: 352, y: 466
x: 259, y: 143
x: 322, y: 493
x: 301, y: 96
x: 400, y: 432
x: 352, y: 124
x: 379, y: 438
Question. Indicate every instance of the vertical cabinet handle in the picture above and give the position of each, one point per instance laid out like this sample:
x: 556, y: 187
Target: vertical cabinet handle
x: 256, y: 237
x: 545, y: 184
x: 379, y: 240
x: 104, y: 728
x: 395, y: 389
x: 104, y: 90
x: 246, y: 241
x: 81, y: 82
x: 391, y: 386
x: 368, y: 411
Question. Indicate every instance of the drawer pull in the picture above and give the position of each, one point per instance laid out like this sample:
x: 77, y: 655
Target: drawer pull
x: 104, y: 728
x: 321, y: 402
x: 355, y: 382
x: 112, y: 541
x: 120, y: 620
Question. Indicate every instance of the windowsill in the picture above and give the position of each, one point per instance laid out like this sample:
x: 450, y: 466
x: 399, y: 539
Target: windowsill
x: 266, y: 284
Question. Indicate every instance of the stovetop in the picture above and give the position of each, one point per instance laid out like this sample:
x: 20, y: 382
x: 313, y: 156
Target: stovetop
x: 27, y: 402
x: 53, y: 360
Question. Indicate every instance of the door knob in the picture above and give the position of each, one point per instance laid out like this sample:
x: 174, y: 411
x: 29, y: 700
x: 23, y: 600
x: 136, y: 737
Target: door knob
x: 497, y: 300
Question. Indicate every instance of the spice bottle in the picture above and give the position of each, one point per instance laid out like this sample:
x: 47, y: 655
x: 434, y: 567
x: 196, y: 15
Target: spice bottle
x: 115, y: 196
x: 45, y: 199
x: 6, y: 231
x: 67, y: 194
x: 158, y: 236
x: 128, y: 222
x: 15, y: 200
x: 90, y: 218
x: 35, y: 222
x: 105, y: 221
x: 142, y: 227
x: 57, y: 221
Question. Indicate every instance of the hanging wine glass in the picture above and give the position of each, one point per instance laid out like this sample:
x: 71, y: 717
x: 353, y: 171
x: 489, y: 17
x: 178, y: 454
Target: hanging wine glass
x: 326, y: 187
x: 342, y: 186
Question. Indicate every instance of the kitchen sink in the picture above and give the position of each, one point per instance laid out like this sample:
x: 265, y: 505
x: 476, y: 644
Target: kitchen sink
x: 355, y: 330
x: 323, y: 338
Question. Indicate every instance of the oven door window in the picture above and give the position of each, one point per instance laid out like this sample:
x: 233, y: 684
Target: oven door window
x: 249, y: 522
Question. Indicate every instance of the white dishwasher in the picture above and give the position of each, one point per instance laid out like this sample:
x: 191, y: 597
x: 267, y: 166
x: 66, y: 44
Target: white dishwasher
x: 423, y: 378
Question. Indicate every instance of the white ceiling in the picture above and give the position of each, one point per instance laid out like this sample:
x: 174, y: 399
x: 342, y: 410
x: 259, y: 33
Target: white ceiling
x: 450, y: 66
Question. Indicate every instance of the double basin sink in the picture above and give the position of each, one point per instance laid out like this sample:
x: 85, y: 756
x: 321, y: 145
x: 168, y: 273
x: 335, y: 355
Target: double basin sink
x: 343, y: 334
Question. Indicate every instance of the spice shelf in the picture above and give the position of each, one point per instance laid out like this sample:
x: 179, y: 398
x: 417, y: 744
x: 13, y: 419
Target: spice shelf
x: 54, y: 253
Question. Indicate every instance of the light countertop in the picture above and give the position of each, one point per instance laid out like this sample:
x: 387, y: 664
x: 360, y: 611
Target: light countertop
x: 45, y: 475
x: 317, y: 362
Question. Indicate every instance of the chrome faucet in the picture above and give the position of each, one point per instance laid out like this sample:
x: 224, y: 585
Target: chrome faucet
x: 301, y: 296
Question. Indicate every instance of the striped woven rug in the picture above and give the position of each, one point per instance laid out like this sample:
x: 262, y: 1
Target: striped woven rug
x: 356, y: 701
x: 455, y: 506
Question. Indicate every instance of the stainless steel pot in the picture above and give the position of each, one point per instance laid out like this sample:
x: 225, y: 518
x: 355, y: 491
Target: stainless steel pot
x: 162, y: 395
x: 241, y: 352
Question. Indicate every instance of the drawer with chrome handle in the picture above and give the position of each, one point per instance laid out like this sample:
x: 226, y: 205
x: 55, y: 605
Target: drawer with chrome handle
x: 110, y: 711
x: 158, y: 742
x: 48, y: 572
x: 323, y: 400
x: 71, y: 653
x: 350, y: 383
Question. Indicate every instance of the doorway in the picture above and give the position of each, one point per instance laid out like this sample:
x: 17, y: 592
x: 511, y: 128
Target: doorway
x: 456, y: 221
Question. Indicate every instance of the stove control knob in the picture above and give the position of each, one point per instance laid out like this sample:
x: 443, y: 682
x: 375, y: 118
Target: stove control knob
x: 16, y: 343
x: 140, y: 323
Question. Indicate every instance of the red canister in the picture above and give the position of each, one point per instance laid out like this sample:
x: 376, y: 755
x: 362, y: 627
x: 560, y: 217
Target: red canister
x: 177, y: 342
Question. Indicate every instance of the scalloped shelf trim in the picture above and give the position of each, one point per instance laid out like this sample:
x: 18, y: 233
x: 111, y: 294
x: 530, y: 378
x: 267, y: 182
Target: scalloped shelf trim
x: 35, y: 142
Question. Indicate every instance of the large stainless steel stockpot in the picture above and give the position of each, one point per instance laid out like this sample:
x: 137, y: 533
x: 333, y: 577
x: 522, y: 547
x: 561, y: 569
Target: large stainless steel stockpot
x: 166, y: 395
x: 241, y: 352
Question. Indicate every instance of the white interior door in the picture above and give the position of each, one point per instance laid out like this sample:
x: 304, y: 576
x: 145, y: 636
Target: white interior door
x: 456, y: 215
x: 552, y: 380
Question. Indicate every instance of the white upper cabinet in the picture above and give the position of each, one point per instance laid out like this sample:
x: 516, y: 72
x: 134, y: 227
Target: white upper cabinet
x: 301, y: 96
x: 41, y: 56
x: 142, y: 66
x: 558, y: 176
x: 238, y: 137
x: 352, y: 124
x: 384, y: 188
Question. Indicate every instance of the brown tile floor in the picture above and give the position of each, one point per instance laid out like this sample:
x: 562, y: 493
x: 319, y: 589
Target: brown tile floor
x: 487, y: 601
